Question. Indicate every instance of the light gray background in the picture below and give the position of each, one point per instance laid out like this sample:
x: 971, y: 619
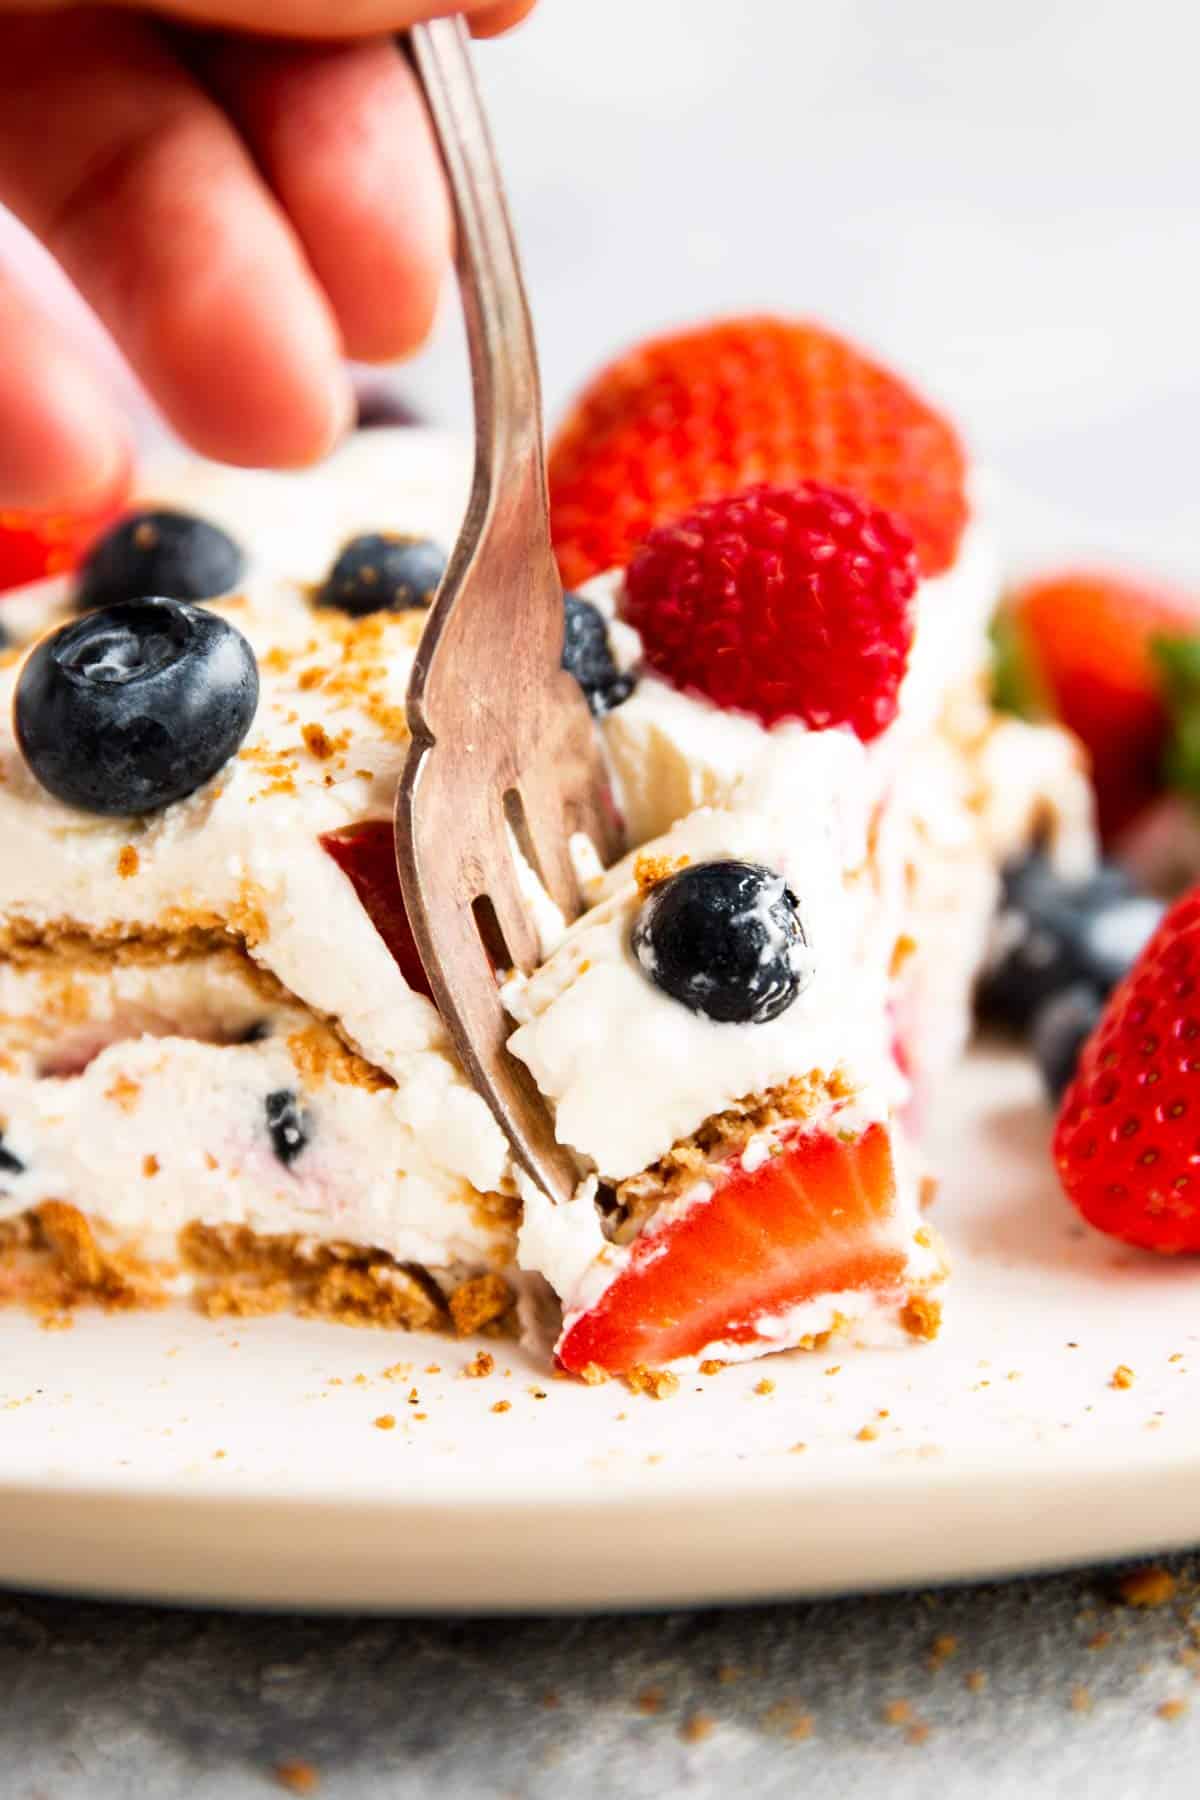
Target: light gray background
x: 1002, y: 198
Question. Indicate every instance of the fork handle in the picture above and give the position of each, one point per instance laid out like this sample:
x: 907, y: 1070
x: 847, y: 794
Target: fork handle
x: 504, y: 370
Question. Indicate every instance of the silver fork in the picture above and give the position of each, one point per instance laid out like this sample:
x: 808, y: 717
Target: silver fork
x: 504, y: 752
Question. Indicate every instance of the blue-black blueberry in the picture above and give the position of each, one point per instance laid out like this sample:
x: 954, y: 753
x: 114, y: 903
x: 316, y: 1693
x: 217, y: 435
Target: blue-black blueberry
x: 1052, y: 933
x: 587, y: 655
x: 288, y: 1124
x: 725, y: 939
x: 136, y: 705
x: 159, y: 552
x: 383, y: 572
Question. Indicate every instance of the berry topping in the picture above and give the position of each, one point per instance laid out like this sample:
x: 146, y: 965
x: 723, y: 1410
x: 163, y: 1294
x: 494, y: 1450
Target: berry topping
x: 1101, y: 653
x: 366, y: 855
x: 169, y: 553
x: 587, y: 655
x: 706, y: 412
x: 1051, y: 935
x: 1126, y: 1139
x: 134, y: 706
x: 724, y: 938
x: 804, y: 1221
x: 381, y: 572
x: 9, y: 1164
x: 788, y: 603
x: 1060, y: 1030
x: 288, y: 1124
x: 35, y: 544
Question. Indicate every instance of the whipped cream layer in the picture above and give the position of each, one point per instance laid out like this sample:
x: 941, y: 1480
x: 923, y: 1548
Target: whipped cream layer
x: 240, y: 859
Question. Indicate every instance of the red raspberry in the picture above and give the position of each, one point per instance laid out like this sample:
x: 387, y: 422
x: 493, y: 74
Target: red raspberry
x: 706, y: 412
x: 784, y: 602
x: 1127, y: 1142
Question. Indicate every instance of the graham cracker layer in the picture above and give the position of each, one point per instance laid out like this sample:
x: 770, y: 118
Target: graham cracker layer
x: 55, y: 1260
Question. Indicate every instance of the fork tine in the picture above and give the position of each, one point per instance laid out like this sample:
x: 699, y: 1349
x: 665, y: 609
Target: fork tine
x: 548, y: 836
x: 476, y: 1017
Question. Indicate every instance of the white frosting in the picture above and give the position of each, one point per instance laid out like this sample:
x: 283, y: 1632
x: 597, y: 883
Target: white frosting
x: 243, y: 852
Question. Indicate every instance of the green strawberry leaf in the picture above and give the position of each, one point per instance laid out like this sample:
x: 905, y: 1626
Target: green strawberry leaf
x: 1015, y: 684
x: 1178, y: 661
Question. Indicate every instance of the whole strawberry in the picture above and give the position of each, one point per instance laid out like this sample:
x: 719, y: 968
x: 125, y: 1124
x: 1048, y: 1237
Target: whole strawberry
x: 784, y: 602
x: 1127, y: 1143
x: 706, y: 412
x: 1101, y: 653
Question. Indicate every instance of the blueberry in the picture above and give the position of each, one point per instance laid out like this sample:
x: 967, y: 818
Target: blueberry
x: 381, y: 572
x: 288, y: 1125
x: 169, y: 553
x: 9, y: 1164
x: 135, y: 705
x: 380, y: 405
x: 588, y: 656
x: 725, y: 939
x: 1052, y: 933
x: 1060, y: 1029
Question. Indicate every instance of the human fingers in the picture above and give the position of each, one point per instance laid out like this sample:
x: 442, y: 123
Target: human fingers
x: 153, y: 206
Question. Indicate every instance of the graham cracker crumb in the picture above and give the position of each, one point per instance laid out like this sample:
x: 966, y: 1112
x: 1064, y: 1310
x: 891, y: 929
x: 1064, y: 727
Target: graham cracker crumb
x: 942, y: 1649
x: 921, y: 1316
x: 1148, y: 1587
x: 481, y: 1364
x: 801, y: 1728
x: 502, y: 1406
x: 648, y: 871
x: 150, y: 1166
x: 1081, y: 1698
x: 764, y: 1386
x: 385, y: 1422
x: 711, y: 1366
x: 128, y: 862
x: 660, y: 1384
x: 124, y: 1093
x: 484, y: 1300
x: 701, y: 1725
x: 1172, y: 1709
x: 897, y: 1712
x: 317, y: 742
x: 867, y: 1434
x: 1122, y: 1376
x: 298, y: 1777
x: 975, y: 1680
x: 593, y: 1375
x: 916, y: 1734
x: 651, y: 1700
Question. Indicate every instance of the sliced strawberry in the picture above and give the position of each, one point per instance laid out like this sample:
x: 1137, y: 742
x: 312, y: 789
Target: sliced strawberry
x: 805, y: 1222
x: 366, y: 854
x: 34, y: 544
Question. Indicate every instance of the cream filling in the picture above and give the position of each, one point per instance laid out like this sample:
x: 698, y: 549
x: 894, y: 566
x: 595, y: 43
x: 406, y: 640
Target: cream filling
x: 161, y: 1117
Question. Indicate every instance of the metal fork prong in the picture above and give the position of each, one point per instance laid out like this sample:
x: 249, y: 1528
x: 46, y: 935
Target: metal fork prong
x: 553, y: 862
x: 590, y: 810
x: 512, y: 912
x: 475, y: 1014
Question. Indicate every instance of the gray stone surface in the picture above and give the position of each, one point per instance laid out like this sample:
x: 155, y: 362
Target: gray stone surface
x: 1037, y: 1688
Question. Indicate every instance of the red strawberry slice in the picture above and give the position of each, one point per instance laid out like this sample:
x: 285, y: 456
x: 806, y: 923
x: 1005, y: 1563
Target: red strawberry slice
x: 367, y: 855
x: 805, y: 1222
x: 35, y: 544
x: 707, y: 412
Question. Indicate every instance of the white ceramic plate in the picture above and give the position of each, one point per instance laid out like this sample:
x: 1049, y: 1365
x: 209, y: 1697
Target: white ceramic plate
x: 165, y: 1456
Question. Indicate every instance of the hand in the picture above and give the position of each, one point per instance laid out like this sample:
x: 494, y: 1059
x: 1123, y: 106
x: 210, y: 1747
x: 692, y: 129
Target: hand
x: 241, y: 211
